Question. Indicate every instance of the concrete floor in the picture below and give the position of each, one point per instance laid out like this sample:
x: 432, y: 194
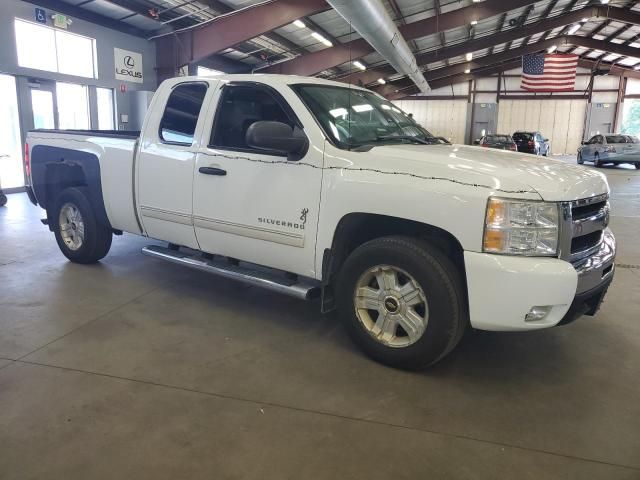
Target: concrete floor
x: 135, y: 368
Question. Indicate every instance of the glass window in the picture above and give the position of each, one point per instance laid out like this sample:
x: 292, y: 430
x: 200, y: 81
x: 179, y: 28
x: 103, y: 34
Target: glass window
x: 42, y: 107
x: 240, y: 107
x: 44, y: 48
x: 353, y: 117
x: 178, y: 123
x: 616, y: 139
x: 36, y: 45
x: 73, y: 106
x: 520, y: 136
x: 11, y: 173
x: 75, y: 54
x: 106, y: 110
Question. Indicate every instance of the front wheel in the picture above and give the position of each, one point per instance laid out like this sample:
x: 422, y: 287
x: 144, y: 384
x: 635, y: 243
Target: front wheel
x: 579, y: 159
x: 3, y: 199
x: 596, y: 161
x: 402, y: 302
x: 81, y: 238
x: 637, y: 165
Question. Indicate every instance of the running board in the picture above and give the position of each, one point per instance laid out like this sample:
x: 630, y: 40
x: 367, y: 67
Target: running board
x: 252, y: 275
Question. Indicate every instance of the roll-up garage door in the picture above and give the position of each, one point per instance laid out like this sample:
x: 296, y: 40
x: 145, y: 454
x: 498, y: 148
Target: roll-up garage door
x: 443, y: 118
x: 561, y: 121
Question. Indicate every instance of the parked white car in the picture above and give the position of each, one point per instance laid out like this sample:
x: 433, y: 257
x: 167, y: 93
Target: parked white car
x: 611, y: 148
x: 306, y: 186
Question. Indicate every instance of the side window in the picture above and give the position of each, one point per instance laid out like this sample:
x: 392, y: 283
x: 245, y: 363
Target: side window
x: 240, y: 106
x: 178, y: 123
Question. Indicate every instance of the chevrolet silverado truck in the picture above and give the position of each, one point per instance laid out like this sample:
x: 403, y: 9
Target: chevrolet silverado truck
x: 313, y: 188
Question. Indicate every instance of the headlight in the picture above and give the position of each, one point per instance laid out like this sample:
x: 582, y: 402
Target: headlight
x: 515, y: 227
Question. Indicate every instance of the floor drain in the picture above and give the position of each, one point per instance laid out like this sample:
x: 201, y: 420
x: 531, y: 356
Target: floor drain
x: 626, y: 265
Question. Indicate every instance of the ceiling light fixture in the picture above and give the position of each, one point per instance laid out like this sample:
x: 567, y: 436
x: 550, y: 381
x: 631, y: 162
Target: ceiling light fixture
x: 468, y: 56
x: 381, y: 81
x: 474, y: 22
x: 299, y: 24
x: 359, y: 65
x: 468, y: 70
x: 321, y: 39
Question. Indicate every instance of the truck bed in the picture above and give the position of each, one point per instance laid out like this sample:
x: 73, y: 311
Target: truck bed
x: 103, y: 160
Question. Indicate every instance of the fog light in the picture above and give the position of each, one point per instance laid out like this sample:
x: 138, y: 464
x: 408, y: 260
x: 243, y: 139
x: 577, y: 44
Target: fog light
x: 537, y: 313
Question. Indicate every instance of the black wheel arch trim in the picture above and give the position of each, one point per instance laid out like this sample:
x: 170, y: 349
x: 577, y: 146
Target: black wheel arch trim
x: 54, y: 168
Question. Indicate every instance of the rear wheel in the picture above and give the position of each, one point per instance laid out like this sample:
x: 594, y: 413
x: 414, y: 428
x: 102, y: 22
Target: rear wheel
x: 579, y: 159
x: 3, y: 199
x: 402, y: 302
x: 637, y: 165
x: 81, y: 238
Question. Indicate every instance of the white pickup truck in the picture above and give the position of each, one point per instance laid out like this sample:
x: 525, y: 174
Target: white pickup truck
x: 306, y: 186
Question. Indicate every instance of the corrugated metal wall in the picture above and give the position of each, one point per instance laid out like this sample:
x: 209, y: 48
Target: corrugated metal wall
x: 443, y: 118
x: 561, y: 121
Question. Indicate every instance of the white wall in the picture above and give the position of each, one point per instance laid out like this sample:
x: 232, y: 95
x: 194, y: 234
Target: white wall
x: 443, y: 118
x: 562, y: 121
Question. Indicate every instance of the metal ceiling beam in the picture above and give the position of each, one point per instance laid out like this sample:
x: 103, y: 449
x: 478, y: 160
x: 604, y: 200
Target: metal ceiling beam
x: 496, y: 58
x: 487, y: 41
x: 404, y: 90
x: 200, y: 42
x: 312, y: 63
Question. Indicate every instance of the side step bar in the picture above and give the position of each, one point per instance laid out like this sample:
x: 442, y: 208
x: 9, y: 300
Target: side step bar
x: 304, y: 289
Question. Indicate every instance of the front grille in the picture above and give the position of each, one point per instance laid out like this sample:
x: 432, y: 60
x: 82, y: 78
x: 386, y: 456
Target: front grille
x: 583, y: 222
x: 584, y: 211
x: 586, y: 242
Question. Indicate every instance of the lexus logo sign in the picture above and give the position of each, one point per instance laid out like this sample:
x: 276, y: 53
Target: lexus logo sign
x: 128, y: 66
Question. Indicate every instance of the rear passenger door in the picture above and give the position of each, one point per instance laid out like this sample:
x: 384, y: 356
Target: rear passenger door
x: 165, y: 163
x: 255, y: 205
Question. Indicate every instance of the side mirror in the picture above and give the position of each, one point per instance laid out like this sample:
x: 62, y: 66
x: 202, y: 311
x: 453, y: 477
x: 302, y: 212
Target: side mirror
x: 277, y: 137
x: 546, y: 139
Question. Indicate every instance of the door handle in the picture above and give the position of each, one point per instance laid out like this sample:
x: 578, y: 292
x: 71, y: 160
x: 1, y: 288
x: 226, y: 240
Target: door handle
x: 212, y: 171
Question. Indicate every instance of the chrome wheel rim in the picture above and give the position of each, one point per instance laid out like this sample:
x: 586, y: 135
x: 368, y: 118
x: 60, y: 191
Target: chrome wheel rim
x: 391, y: 306
x: 71, y: 226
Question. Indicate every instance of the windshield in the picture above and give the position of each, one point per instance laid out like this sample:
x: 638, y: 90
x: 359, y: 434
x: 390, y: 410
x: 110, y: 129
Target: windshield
x: 352, y: 118
x: 498, y: 139
x: 518, y: 136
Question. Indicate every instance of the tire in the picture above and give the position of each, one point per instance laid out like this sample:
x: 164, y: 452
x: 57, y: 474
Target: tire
x: 3, y: 199
x: 86, y: 240
x: 596, y: 161
x: 579, y: 159
x: 637, y: 165
x: 437, y: 291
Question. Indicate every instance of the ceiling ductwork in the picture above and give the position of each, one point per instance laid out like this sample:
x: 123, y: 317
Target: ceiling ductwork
x: 370, y: 19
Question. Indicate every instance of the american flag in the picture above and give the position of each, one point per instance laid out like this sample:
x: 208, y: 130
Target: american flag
x: 547, y: 72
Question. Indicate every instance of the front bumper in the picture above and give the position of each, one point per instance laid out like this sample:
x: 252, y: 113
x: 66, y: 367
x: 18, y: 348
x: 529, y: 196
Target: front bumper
x: 503, y: 289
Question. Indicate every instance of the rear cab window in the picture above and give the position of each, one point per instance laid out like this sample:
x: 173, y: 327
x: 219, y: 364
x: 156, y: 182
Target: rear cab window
x: 180, y: 117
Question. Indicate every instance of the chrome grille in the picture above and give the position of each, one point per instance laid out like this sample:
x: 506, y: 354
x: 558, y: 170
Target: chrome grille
x: 582, y: 224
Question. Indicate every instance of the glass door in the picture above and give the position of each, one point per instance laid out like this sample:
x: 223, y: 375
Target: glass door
x: 73, y: 106
x: 11, y: 173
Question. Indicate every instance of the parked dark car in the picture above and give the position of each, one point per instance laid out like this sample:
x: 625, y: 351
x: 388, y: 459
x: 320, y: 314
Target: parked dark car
x: 532, y: 142
x: 499, y: 141
x: 611, y: 148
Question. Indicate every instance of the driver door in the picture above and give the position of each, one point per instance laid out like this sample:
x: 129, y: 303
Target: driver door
x: 254, y: 205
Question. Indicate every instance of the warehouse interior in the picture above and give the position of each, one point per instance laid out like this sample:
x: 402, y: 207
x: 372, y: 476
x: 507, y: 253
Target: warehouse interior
x: 136, y: 368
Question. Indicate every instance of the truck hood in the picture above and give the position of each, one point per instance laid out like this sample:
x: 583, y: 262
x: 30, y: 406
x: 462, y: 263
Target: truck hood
x: 553, y: 180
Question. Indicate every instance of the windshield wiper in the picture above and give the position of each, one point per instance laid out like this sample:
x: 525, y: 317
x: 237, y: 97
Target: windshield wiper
x: 404, y: 137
